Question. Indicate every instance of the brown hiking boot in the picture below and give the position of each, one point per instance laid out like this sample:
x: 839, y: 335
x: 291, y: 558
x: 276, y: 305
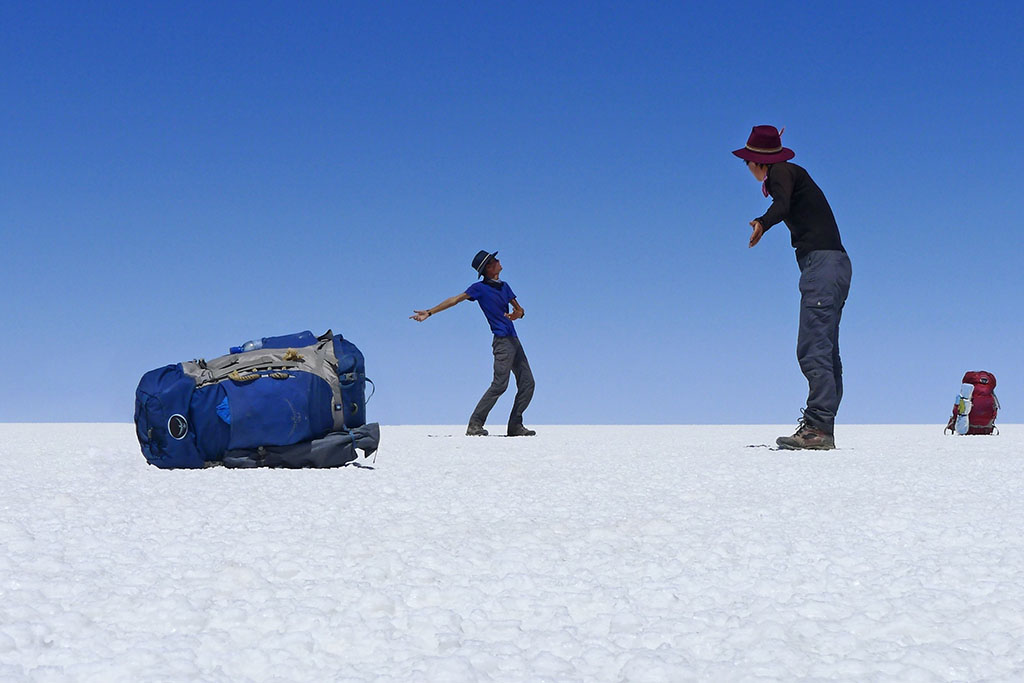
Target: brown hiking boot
x: 807, y: 437
x: 476, y: 430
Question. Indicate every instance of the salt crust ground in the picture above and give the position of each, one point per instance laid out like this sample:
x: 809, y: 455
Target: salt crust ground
x: 585, y: 553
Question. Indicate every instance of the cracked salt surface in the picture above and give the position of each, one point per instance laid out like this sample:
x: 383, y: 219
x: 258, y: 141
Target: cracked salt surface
x: 632, y: 553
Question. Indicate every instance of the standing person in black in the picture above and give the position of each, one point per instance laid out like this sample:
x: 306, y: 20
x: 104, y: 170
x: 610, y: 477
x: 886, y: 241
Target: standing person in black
x: 825, y: 274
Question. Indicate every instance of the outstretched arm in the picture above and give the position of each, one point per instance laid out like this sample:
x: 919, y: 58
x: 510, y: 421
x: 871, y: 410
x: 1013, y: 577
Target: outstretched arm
x: 517, y: 311
x: 420, y: 316
x: 780, y: 186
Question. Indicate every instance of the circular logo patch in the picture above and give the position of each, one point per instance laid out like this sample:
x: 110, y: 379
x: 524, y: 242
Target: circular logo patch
x: 177, y: 426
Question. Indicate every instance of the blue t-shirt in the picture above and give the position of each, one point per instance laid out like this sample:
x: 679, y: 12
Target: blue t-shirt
x: 494, y: 303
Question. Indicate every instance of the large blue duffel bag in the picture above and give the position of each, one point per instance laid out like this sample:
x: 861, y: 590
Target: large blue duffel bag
x: 297, y: 401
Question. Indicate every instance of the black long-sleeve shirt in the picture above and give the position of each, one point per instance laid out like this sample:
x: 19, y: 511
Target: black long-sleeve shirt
x: 798, y: 201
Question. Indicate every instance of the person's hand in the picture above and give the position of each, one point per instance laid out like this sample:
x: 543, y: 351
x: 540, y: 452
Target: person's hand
x: 755, y: 236
x: 419, y: 316
x: 514, y: 315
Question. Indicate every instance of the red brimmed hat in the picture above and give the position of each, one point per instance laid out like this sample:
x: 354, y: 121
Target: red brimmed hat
x: 764, y: 146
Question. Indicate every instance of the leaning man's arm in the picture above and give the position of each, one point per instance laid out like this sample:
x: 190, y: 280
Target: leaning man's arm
x: 420, y: 316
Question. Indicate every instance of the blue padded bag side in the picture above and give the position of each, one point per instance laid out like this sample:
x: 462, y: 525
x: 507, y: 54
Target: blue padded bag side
x: 162, y: 424
x: 278, y: 412
x: 352, y: 375
x: 212, y: 433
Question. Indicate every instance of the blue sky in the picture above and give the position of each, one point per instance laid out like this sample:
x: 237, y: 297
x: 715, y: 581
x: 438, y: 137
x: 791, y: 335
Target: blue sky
x: 180, y: 178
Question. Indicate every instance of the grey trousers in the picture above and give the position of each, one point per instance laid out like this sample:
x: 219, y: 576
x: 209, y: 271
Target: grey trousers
x: 824, y: 285
x: 508, y: 357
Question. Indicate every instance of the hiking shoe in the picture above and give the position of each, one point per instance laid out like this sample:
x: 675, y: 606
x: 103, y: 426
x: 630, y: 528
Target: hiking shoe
x: 476, y: 430
x: 520, y: 430
x: 807, y: 437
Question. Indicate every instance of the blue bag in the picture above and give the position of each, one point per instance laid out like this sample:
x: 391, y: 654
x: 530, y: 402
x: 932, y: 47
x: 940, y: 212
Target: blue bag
x: 293, y: 389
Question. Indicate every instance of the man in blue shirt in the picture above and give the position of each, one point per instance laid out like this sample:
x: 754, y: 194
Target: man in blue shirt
x: 495, y: 297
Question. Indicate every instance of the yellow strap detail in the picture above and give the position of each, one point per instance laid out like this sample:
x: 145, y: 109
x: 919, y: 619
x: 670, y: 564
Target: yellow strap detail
x: 239, y: 377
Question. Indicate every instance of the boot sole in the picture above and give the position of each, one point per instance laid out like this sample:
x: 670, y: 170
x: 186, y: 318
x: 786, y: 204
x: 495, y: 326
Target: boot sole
x: 790, y: 447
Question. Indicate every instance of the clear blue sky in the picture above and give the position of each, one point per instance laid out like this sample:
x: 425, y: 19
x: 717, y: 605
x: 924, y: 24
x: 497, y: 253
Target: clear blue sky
x: 182, y: 177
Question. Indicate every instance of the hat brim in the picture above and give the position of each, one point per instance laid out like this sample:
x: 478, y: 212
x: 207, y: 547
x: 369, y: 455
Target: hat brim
x: 785, y: 154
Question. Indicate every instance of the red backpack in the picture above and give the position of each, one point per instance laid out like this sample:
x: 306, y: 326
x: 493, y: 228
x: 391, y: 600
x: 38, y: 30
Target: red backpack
x: 976, y: 407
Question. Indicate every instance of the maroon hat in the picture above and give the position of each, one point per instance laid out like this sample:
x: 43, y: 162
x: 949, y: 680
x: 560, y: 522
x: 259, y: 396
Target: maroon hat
x: 764, y: 146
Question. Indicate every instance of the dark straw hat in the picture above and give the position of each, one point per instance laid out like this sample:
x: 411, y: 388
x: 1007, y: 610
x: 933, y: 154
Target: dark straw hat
x: 764, y: 146
x: 481, y: 259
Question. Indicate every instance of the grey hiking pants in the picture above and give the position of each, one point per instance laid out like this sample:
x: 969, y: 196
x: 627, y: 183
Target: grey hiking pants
x: 824, y: 285
x: 508, y: 357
